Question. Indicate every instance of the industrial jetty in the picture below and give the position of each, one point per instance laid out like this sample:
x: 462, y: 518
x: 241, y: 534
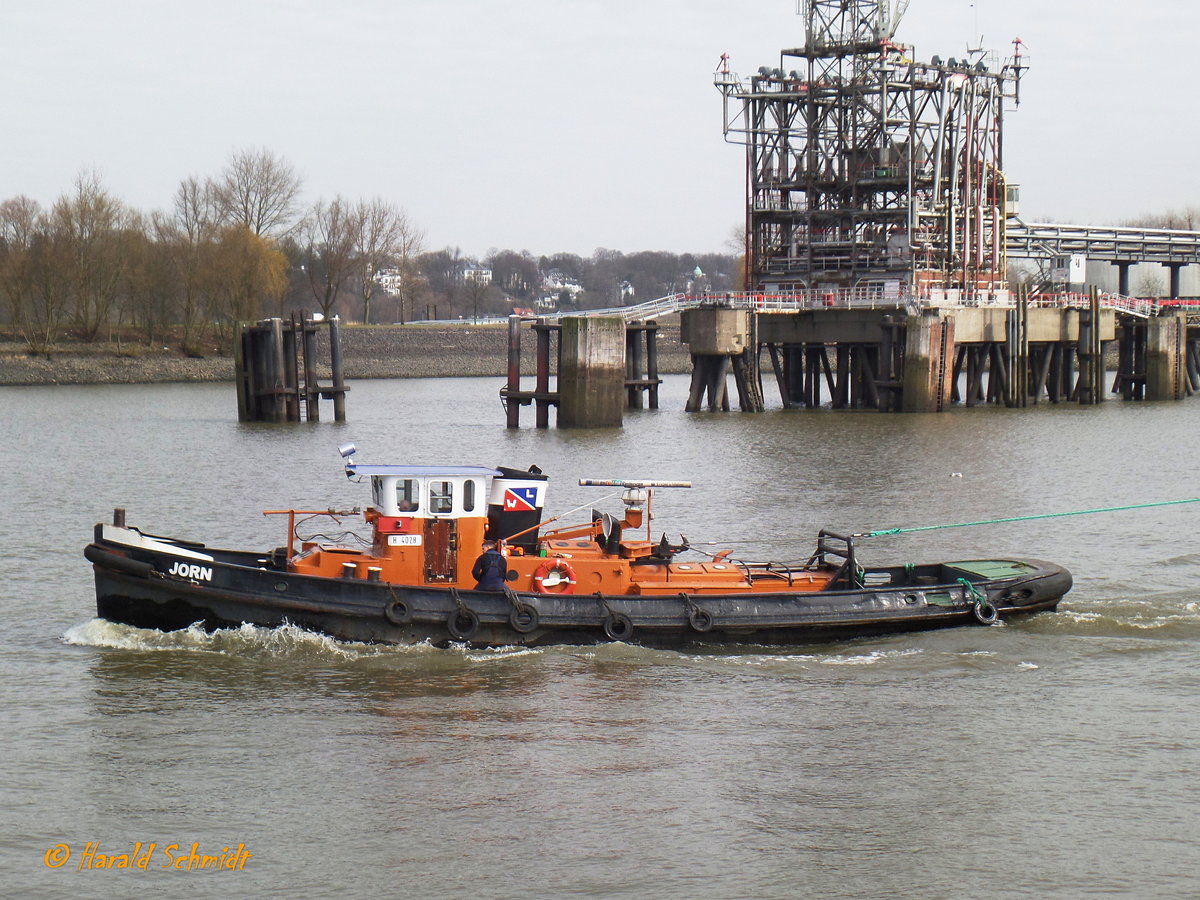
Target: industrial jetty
x: 416, y: 577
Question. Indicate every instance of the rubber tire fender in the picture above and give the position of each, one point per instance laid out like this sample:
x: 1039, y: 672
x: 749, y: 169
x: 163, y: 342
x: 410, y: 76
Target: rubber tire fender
x: 617, y: 627
x: 523, y: 619
x: 462, y: 624
x: 986, y: 612
x: 701, y: 619
x: 398, y: 612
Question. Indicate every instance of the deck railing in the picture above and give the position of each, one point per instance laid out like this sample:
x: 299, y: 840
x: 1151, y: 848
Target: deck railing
x: 861, y: 298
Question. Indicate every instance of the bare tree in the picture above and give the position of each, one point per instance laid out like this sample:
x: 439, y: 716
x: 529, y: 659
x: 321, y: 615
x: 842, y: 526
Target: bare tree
x: 602, y: 285
x: 479, y: 294
x: 149, y: 285
x: 331, y: 235
x: 1151, y: 284
x: 516, y: 273
x: 259, y: 190
x: 1023, y: 277
x: 51, y: 296
x: 408, y: 250
x: 443, y: 273
x: 89, y: 223
x: 34, y: 267
x: 185, y: 237
x: 21, y: 222
x: 736, y: 245
x: 196, y: 208
x: 1185, y: 219
x: 388, y: 239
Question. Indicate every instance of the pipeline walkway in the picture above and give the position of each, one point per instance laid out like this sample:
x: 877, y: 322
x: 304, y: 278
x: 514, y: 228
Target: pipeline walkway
x: 854, y: 298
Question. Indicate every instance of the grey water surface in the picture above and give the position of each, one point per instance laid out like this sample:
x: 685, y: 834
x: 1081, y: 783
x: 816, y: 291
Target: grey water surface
x: 1053, y: 756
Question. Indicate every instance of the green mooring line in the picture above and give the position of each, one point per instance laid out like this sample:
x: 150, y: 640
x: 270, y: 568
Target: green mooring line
x: 1078, y: 512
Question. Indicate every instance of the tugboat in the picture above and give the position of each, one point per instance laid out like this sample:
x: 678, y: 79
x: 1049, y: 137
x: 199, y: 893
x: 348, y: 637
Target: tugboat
x: 604, y: 580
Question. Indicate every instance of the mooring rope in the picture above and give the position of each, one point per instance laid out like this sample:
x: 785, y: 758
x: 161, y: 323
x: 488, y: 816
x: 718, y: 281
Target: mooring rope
x: 969, y: 590
x: 1077, y: 512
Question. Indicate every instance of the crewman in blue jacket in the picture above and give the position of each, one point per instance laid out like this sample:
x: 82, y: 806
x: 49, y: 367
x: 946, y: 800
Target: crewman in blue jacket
x: 490, y: 569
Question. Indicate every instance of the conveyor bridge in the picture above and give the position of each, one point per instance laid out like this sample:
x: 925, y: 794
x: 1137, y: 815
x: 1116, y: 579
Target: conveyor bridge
x: 1115, y: 245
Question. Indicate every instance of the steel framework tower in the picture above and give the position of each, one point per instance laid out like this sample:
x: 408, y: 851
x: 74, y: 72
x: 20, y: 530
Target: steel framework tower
x: 871, y: 172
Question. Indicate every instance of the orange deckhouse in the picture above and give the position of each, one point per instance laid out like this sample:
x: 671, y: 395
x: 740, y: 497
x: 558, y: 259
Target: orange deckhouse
x: 430, y: 521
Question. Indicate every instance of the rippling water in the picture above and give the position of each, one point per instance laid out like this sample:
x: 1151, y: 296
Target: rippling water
x: 1050, y: 756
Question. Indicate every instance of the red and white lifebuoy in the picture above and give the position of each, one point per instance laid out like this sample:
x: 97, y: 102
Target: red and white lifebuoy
x: 554, y: 576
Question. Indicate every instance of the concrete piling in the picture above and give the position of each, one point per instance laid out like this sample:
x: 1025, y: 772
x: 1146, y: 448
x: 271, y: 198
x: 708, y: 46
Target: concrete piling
x: 928, y: 351
x: 591, y: 376
x: 1016, y: 353
x: 880, y: 358
x: 593, y: 354
x: 1166, y: 358
x: 721, y: 341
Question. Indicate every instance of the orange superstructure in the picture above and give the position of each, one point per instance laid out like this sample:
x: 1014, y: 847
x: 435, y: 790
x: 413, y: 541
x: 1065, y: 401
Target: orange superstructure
x: 429, y: 523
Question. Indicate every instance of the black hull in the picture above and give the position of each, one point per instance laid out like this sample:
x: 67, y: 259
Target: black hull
x: 136, y: 586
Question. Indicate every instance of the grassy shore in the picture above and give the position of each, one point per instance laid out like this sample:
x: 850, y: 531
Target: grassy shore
x: 376, y: 351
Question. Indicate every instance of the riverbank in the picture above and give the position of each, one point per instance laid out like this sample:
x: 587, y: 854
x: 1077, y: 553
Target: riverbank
x: 374, y: 351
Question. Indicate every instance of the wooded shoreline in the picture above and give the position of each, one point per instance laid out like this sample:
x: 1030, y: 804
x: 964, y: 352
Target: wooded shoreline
x: 374, y: 351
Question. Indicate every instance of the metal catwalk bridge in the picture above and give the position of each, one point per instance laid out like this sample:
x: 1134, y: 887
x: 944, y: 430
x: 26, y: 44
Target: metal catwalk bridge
x: 851, y: 298
x: 1116, y: 245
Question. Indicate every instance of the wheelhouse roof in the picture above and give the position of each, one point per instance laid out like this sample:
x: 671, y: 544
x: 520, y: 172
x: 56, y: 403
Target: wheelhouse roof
x: 424, y: 471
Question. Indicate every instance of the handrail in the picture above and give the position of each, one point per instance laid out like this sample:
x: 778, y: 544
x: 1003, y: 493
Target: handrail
x: 862, y: 298
x: 1143, y: 307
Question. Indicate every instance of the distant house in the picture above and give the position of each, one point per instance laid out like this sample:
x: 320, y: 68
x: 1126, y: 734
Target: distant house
x: 627, y: 291
x: 555, y: 282
x: 473, y: 272
x: 391, y: 280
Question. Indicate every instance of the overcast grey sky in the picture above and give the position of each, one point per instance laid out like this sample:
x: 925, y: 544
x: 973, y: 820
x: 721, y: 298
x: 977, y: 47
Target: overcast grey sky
x: 552, y: 125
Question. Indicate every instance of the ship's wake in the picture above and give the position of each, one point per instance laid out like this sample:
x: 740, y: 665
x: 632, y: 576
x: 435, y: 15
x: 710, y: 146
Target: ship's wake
x: 251, y: 641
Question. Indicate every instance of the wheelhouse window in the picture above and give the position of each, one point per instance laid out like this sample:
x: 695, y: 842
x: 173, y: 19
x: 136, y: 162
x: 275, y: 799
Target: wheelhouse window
x: 408, y: 495
x: 468, y: 501
x: 441, y: 497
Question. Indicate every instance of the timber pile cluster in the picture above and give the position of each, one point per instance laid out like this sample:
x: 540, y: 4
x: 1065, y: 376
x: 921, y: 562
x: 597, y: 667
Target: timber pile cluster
x: 384, y: 351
